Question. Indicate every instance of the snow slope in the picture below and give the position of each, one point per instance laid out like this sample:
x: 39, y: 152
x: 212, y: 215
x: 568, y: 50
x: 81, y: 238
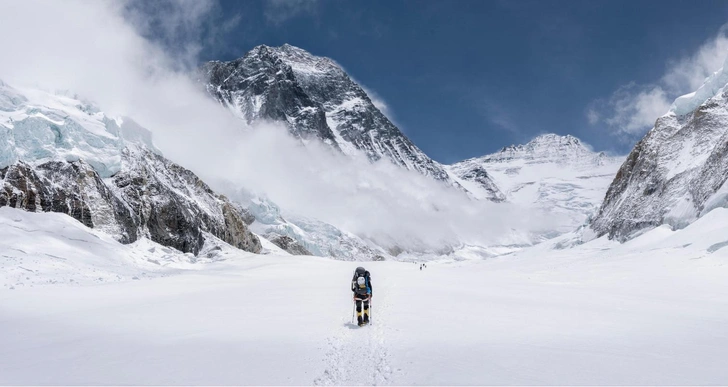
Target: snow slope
x: 650, y: 311
x: 556, y: 174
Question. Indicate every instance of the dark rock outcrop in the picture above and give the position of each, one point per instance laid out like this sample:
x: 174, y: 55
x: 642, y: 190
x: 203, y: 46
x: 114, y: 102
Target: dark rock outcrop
x: 150, y: 196
x: 289, y: 244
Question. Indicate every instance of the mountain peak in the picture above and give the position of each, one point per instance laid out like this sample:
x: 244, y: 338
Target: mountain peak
x: 551, y: 139
x: 315, y: 98
x: 548, y: 147
x: 302, y: 62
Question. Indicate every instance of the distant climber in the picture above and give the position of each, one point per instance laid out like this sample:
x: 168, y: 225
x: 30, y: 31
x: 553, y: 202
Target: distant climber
x: 361, y: 285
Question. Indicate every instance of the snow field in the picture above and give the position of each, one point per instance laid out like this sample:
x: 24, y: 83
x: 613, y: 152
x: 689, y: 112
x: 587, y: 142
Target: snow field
x: 650, y: 311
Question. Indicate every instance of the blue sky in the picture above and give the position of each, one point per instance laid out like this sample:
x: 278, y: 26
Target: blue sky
x: 465, y: 78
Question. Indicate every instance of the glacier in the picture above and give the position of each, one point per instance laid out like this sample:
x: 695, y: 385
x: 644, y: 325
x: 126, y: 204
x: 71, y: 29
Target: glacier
x: 38, y: 125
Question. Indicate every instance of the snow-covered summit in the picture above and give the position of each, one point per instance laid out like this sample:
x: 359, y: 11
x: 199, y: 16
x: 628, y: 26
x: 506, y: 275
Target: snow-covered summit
x: 302, y: 62
x: 549, y: 148
x: 316, y: 99
x: 557, y: 174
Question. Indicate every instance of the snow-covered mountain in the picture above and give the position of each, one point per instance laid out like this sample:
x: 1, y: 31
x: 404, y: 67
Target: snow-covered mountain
x: 557, y: 174
x: 677, y: 172
x: 61, y: 154
x: 316, y: 99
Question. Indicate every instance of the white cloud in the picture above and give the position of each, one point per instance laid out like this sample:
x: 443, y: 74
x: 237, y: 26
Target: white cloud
x: 499, y: 116
x: 180, y: 27
x: 635, y: 108
x: 592, y: 115
x: 632, y: 109
x: 686, y: 74
x: 100, y: 52
x: 279, y: 11
x: 378, y: 101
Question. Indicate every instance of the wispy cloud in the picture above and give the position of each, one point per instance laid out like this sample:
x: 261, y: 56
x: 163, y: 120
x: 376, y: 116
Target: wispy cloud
x: 180, y: 27
x: 499, y: 116
x: 592, y: 115
x: 378, y: 101
x: 279, y: 11
x: 633, y: 108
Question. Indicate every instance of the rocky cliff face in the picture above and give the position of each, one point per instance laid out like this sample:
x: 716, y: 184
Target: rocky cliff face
x: 72, y: 188
x: 678, y: 171
x: 315, y: 99
x: 150, y: 197
x: 129, y: 191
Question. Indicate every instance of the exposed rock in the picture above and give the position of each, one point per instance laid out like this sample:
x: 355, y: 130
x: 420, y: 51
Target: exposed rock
x: 289, y: 244
x: 71, y: 188
x: 150, y: 197
x: 676, y: 173
x: 175, y: 207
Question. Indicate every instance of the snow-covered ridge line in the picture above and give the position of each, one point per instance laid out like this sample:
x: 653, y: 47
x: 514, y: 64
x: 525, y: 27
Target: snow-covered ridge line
x: 547, y: 148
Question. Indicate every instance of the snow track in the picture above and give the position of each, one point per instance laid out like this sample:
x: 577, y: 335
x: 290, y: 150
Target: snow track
x: 359, y: 355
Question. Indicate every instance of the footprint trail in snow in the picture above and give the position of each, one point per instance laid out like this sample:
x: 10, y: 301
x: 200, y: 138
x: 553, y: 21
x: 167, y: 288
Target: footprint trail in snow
x: 359, y: 355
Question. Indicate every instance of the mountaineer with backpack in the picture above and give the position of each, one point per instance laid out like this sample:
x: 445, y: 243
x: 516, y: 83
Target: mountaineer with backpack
x: 361, y: 285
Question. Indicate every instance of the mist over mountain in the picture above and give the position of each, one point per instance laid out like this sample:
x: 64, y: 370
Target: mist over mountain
x: 316, y: 99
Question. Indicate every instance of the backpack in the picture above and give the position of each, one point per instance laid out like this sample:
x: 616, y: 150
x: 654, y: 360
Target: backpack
x: 361, y: 282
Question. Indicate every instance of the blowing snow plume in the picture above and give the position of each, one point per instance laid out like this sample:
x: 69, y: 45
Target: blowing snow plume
x: 118, y: 55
